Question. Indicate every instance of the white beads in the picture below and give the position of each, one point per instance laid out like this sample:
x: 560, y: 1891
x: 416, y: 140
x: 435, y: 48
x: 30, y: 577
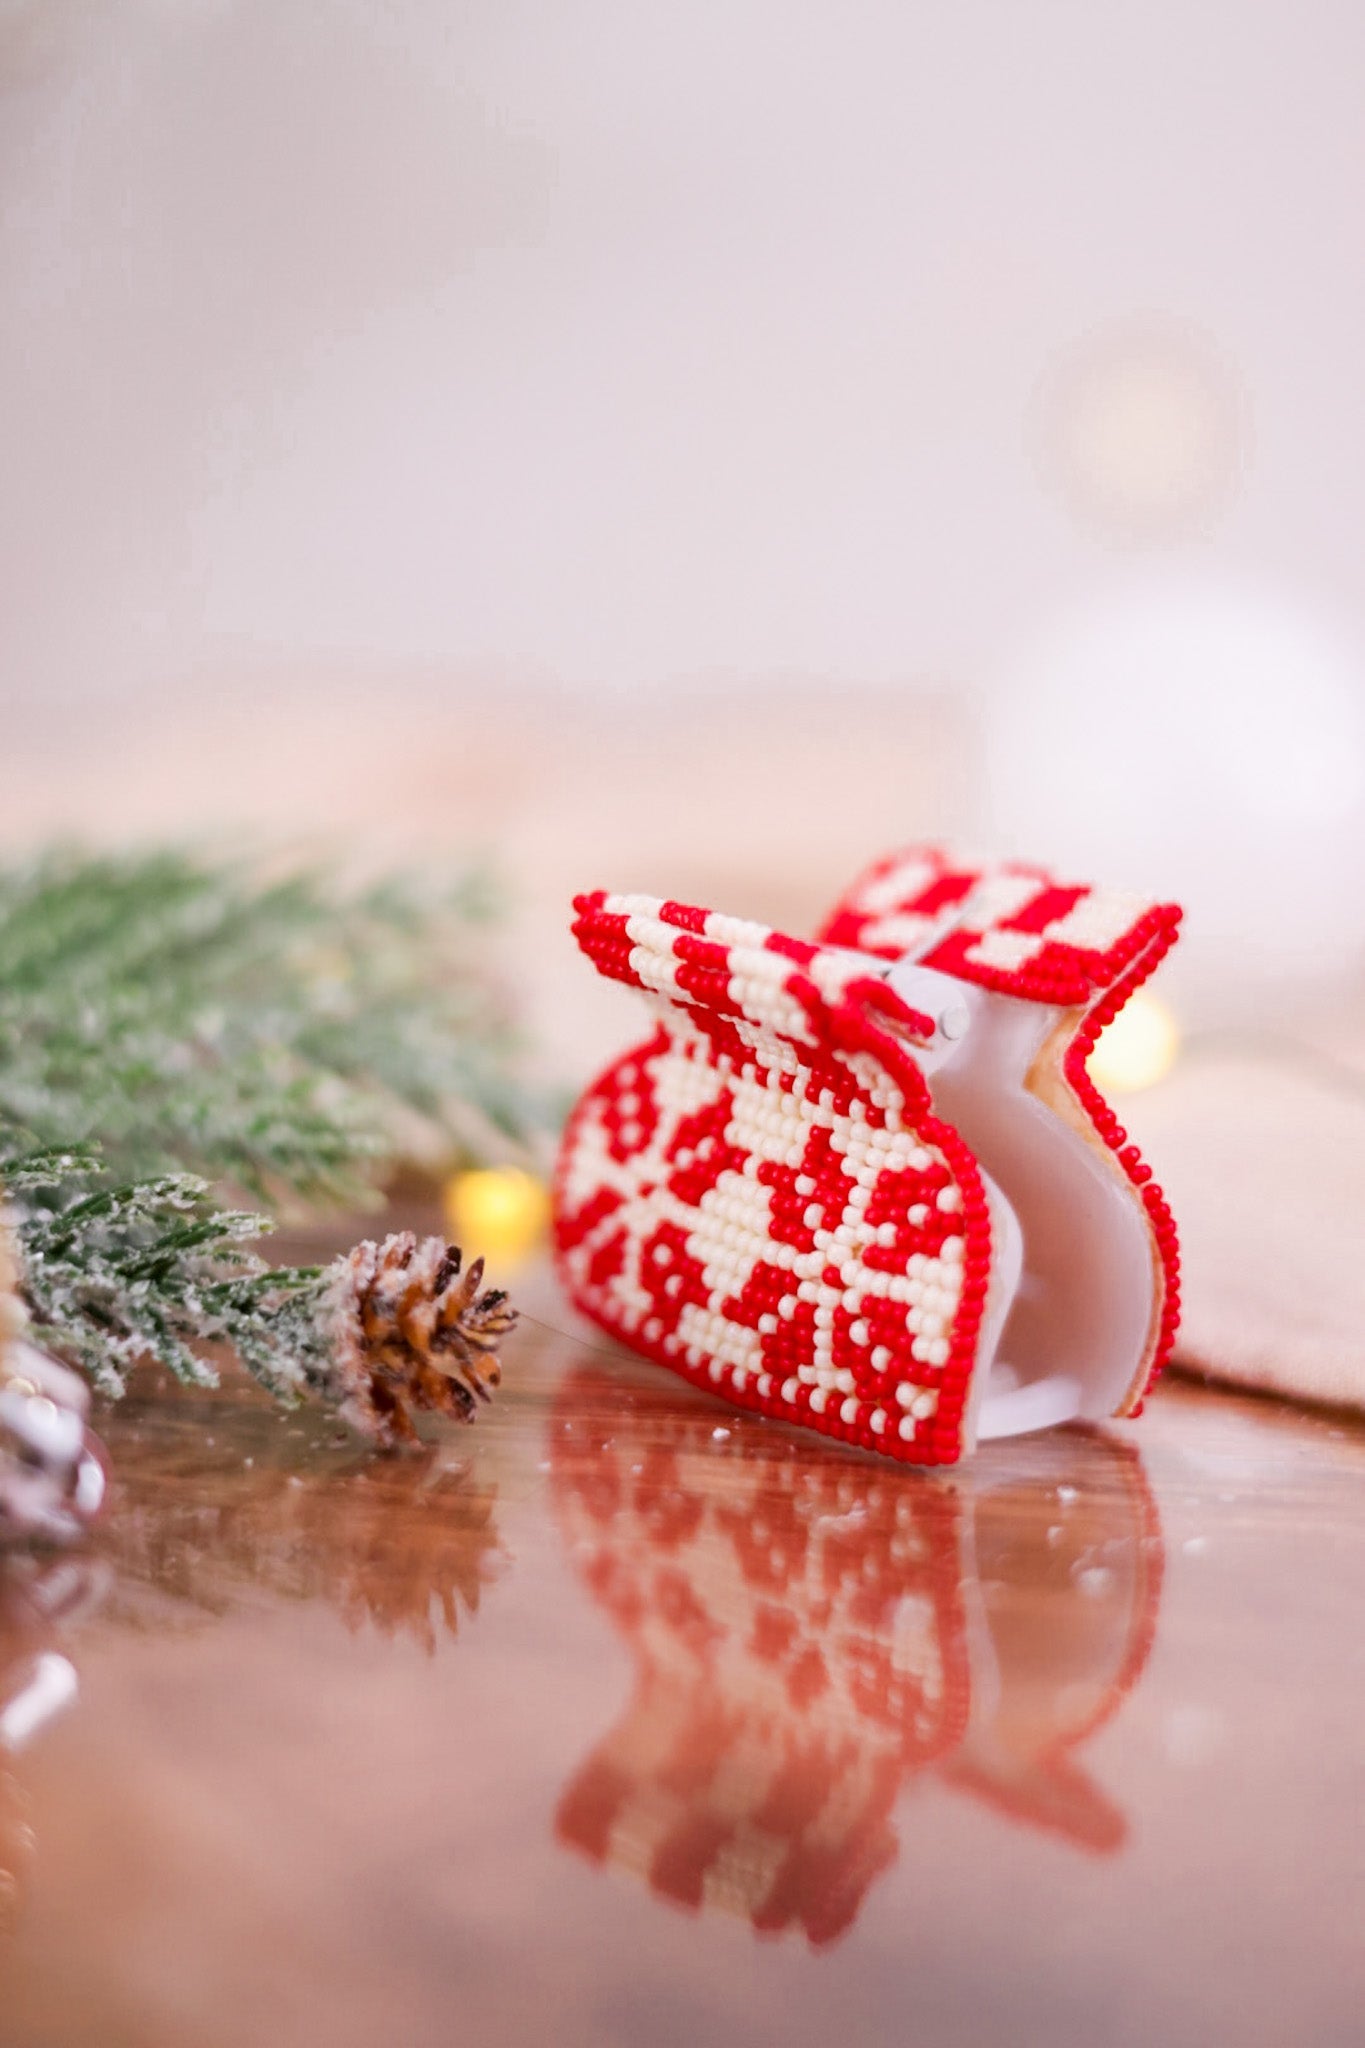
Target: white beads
x: 1096, y: 921
x: 1006, y: 951
x: 762, y: 1112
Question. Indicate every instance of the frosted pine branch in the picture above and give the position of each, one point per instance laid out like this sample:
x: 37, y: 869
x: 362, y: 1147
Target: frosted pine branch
x: 168, y: 1027
x: 272, y: 1037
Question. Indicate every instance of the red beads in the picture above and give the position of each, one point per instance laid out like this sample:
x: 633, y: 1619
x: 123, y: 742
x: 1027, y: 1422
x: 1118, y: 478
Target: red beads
x: 761, y: 1197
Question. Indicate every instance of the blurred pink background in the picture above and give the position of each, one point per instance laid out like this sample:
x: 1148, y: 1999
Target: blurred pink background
x: 694, y: 449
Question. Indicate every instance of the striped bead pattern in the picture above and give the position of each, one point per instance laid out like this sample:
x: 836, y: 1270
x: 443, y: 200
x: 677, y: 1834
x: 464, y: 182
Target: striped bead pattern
x: 1015, y: 928
x: 1018, y: 930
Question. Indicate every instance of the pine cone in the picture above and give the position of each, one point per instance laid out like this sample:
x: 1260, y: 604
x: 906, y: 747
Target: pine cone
x: 412, y: 1333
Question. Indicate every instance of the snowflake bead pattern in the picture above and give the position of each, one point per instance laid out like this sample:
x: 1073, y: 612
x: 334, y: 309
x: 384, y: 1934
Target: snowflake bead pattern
x: 760, y: 1195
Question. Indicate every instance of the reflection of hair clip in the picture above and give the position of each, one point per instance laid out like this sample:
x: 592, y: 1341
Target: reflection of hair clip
x: 866, y: 1184
x: 812, y: 1635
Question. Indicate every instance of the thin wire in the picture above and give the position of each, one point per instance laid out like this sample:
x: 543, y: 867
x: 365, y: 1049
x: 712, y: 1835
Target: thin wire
x: 619, y: 1353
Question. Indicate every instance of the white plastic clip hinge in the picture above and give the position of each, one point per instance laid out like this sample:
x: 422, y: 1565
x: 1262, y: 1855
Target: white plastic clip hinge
x: 941, y: 998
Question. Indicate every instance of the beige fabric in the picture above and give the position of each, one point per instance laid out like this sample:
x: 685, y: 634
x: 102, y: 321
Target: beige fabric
x: 1264, y: 1165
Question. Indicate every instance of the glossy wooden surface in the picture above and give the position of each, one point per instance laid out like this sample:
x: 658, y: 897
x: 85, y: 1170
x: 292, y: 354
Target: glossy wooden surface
x: 623, y: 1719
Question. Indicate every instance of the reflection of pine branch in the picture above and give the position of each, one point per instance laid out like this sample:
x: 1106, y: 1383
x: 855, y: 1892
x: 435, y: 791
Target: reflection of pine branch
x: 405, y: 1545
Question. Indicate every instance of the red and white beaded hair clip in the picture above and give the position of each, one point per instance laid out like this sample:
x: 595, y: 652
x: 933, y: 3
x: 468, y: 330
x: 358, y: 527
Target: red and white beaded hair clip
x: 865, y: 1183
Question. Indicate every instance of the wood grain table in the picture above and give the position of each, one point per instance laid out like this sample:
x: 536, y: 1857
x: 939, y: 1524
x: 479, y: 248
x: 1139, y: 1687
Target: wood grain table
x: 623, y: 1719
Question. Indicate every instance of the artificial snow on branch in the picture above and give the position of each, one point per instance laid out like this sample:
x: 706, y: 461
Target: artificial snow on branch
x: 175, y: 1031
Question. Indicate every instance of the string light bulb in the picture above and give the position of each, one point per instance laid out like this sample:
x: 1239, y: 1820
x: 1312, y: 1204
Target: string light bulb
x: 1138, y: 1049
x: 501, y: 1212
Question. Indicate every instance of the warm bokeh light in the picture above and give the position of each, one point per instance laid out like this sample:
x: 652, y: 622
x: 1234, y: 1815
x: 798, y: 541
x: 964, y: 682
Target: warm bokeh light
x: 1137, y: 1049
x: 498, y: 1212
x: 1146, y: 430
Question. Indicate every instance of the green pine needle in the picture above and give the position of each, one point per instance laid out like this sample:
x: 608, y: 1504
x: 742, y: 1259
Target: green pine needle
x: 117, y: 1272
x: 171, y: 1025
x: 267, y: 1035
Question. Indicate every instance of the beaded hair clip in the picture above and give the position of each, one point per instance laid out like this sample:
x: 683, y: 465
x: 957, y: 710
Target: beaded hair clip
x: 866, y: 1184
